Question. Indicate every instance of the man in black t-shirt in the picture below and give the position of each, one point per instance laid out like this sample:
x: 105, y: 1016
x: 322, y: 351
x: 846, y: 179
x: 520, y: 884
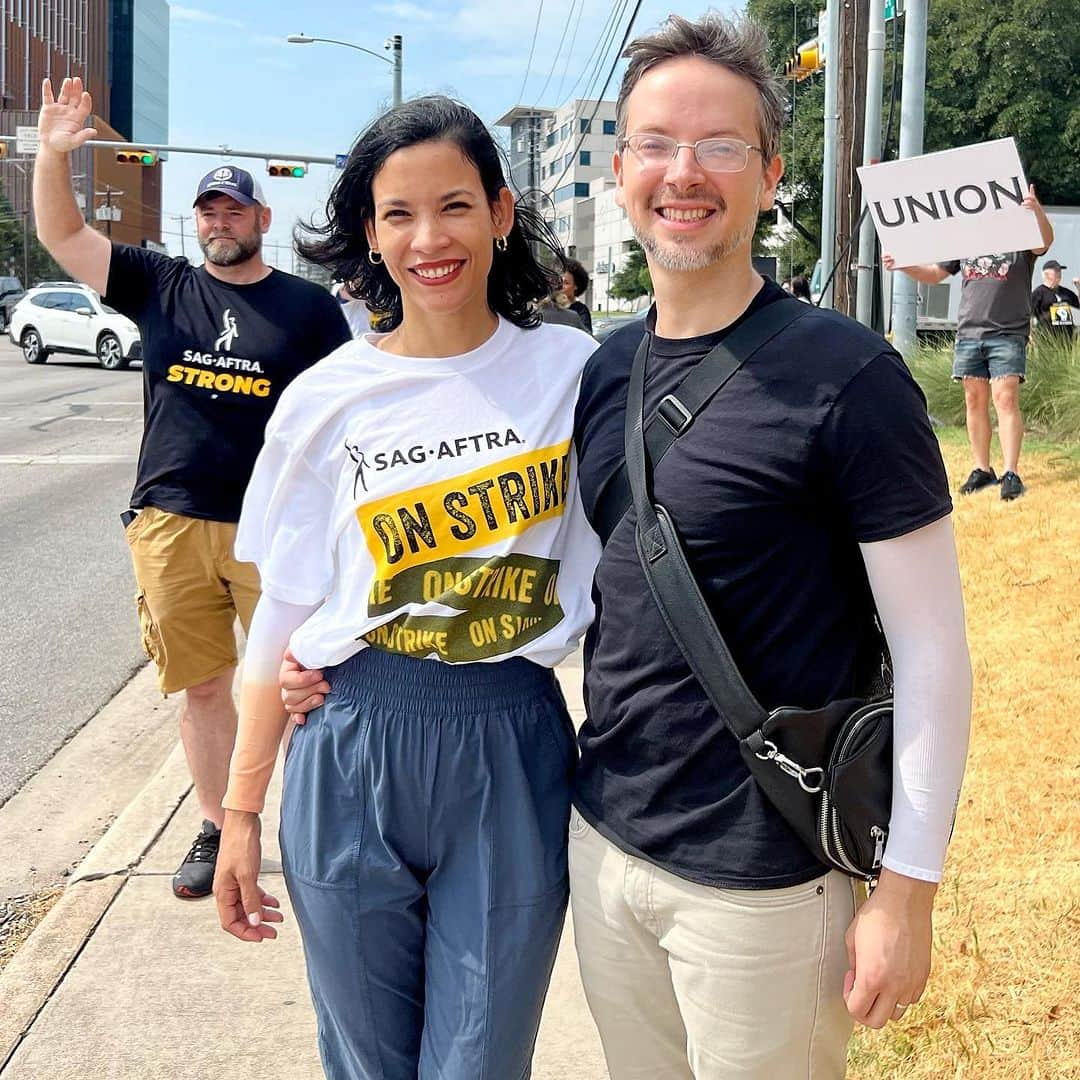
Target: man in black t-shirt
x: 1053, y: 304
x: 712, y: 942
x: 220, y: 344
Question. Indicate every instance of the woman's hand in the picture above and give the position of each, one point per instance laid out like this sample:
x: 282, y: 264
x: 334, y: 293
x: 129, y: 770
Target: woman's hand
x: 244, y: 909
x: 301, y: 690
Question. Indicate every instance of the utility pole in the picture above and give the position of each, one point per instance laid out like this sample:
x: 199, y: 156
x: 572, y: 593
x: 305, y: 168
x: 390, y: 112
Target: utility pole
x: 107, y: 194
x: 181, y: 218
x: 851, y: 93
x: 395, y: 47
x: 828, y: 172
x: 875, y: 81
x: 905, y: 303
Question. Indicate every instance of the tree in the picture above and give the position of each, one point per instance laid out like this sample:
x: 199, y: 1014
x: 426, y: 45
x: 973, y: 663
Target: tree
x: 38, y: 264
x: 633, y: 280
x: 993, y: 70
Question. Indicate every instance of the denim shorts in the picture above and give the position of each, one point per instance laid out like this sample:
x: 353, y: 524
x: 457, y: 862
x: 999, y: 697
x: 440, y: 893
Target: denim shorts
x: 990, y: 357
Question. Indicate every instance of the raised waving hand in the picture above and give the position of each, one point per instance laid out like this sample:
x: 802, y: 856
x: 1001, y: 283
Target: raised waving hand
x: 62, y: 120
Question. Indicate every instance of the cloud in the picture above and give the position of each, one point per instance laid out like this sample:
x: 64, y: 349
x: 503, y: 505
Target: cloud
x: 406, y: 11
x: 186, y: 14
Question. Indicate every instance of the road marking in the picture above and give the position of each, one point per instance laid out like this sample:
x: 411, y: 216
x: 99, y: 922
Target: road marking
x: 102, y: 419
x: 67, y: 459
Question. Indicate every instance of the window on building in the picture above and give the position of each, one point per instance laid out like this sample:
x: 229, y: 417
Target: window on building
x: 581, y: 190
x: 568, y: 161
x: 564, y: 131
x: 550, y: 140
x: 586, y: 127
x: 609, y: 127
x: 585, y: 157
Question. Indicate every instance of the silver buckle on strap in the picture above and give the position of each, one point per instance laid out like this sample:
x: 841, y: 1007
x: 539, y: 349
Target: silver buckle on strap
x: 810, y: 780
x: 681, y: 421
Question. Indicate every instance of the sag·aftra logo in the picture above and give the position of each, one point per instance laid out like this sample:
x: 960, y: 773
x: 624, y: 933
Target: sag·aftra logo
x: 230, y: 332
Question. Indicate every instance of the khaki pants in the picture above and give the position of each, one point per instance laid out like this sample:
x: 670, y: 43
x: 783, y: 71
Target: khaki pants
x: 692, y: 982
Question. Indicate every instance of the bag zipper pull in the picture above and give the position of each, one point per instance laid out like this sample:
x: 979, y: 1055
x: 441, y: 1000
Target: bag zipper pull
x: 877, y: 834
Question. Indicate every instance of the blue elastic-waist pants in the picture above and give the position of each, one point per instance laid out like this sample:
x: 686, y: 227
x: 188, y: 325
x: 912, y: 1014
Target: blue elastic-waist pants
x: 423, y: 837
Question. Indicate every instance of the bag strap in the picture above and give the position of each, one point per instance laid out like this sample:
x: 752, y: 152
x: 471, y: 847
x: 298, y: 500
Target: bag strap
x: 672, y: 582
x: 678, y: 410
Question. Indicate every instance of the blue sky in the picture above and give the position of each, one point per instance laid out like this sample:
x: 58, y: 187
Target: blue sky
x: 235, y: 81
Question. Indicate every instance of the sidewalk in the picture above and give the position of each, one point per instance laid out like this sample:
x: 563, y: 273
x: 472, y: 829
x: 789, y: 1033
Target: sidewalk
x: 123, y: 982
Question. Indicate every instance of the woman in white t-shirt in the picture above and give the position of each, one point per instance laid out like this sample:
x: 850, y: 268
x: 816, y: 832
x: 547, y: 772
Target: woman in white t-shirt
x: 415, y: 519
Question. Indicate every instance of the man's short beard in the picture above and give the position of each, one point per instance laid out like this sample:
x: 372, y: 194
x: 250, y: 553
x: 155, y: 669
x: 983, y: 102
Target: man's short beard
x: 246, y: 248
x: 682, y: 258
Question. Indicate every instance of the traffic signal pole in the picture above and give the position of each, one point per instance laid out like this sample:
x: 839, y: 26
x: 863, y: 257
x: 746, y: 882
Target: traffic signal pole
x: 905, y: 301
x: 828, y: 171
x: 210, y: 151
x: 875, y: 81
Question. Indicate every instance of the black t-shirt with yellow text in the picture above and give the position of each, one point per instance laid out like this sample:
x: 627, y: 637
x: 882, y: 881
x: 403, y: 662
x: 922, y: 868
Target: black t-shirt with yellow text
x: 216, y: 358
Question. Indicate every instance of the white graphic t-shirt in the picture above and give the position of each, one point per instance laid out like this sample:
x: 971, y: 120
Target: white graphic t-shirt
x: 430, y: 503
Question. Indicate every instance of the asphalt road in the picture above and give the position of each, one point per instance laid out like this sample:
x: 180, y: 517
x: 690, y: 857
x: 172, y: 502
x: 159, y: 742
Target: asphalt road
x: 69, y: 438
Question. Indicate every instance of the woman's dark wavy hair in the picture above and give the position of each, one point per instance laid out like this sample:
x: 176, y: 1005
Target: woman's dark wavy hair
x: 579, y: 274
x: 341, y: 245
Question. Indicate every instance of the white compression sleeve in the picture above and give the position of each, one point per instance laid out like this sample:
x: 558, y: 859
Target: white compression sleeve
x: 262, y: 717
x: 272, y: 625
x: 915, y: 580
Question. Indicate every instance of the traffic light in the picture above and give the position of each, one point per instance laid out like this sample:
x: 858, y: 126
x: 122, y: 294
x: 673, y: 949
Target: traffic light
x: 137, y: 157
x: 806, y: 60
x: 286, y: 168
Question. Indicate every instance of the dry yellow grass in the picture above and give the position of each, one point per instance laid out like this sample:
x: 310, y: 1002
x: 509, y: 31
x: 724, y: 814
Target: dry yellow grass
x: 1004, y: 997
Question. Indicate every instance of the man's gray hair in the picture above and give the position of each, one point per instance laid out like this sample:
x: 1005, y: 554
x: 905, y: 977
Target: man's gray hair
x: 739, y: 44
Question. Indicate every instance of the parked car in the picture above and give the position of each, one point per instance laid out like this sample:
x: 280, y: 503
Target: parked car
x: 68, y: 317
x: 602, y: 330
x: 11, y: 292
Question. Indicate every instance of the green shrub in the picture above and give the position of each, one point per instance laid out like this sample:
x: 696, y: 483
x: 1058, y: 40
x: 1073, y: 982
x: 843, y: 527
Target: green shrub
x: 1050, y: 398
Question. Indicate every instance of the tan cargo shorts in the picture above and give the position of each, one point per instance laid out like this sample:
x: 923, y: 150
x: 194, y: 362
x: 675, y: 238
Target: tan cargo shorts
x: 190, y: 590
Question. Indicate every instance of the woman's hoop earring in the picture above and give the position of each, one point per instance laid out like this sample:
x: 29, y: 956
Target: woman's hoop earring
x: 501, y: 243
x: 374, y: 257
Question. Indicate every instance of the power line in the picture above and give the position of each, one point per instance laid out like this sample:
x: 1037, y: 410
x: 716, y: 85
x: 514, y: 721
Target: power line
x: 603, y: 91
x: 606, y: 36
x: 532, y: 49
x: 598, y: 50
x: 566, y: 26
x: 570, y: 51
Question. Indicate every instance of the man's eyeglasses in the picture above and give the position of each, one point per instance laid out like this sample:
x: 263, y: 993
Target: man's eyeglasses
x: 713, y: 155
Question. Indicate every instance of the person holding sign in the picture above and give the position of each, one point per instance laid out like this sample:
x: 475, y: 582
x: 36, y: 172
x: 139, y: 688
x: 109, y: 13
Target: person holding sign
x: 1054, y: 304
x: 416, y: 520
x: 993, y: 326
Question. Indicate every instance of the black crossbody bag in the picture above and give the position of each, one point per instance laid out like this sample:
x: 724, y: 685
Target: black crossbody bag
x: 828, y: 771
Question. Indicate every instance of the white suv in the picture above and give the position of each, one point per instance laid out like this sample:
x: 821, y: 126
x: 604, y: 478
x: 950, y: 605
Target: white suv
x: 65, y: 316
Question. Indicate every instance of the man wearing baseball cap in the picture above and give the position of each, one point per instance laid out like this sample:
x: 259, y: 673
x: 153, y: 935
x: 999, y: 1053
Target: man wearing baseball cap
x: 1054, y: 305
x: 220, y: 343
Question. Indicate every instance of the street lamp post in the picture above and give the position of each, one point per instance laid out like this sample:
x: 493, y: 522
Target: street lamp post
x: 393, y: 44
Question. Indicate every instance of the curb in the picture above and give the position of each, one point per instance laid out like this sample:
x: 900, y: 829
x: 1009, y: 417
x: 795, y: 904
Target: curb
x: 40, y: 965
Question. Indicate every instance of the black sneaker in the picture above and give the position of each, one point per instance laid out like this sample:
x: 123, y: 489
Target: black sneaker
x: 1012, y: 487
x: 195, y: 877
x: 979, y: 479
